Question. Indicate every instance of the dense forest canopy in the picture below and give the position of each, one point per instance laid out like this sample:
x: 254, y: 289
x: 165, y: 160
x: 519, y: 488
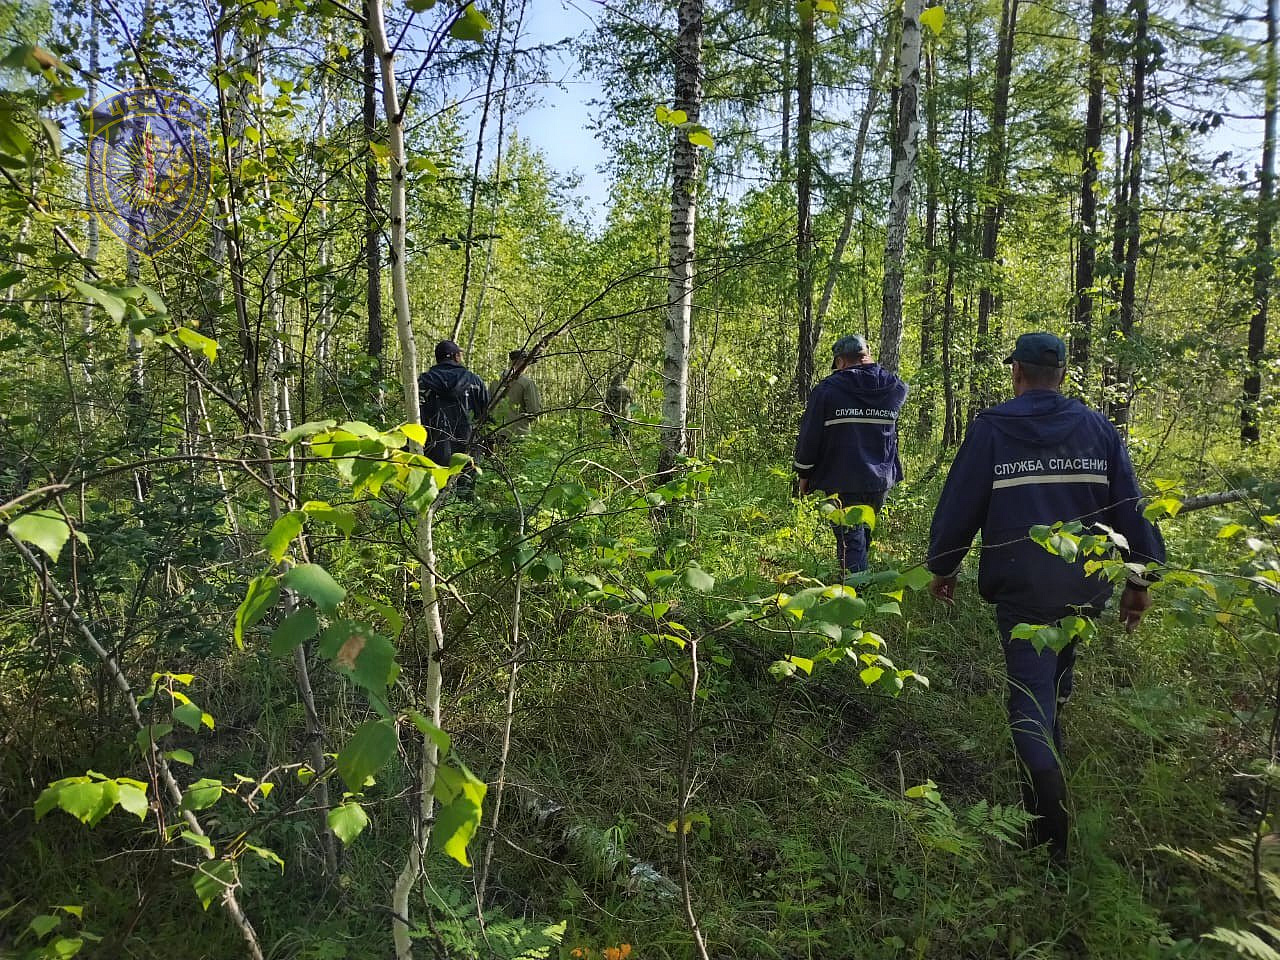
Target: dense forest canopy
x: 280, y: 679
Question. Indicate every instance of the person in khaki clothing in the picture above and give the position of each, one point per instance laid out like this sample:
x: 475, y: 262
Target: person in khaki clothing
x: 517, y: 401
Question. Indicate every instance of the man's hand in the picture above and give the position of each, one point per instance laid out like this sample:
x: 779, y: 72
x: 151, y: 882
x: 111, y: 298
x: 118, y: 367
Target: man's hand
x: 802, y: 486
x: 1134, y: 603
x: 943, y: 588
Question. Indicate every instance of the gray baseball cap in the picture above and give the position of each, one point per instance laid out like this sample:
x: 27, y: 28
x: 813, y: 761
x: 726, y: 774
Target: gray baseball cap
x: 850, y: 345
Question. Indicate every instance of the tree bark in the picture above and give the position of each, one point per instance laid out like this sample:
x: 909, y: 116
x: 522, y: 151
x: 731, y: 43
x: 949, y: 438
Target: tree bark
x: 905, y: 139
x: 929, y: 311
x: 1082, y: 330
x: 1119, y: 409
x: 680, y: 261
x: 855, y: 182
x: 804, y: 196
x: 1264, y: 268
x: 469, y: 239
x: 372, y: 228
x: 993, y: 209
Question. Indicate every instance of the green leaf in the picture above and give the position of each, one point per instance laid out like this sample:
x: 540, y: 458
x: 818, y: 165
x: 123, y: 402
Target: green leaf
x: 258, y: 599
x: 152, y: 733
x: 418, y: 165
x: 461, y: 795
x: 202, y: 794
x: 420, y: 6
x: 701, y: 137
x: 933, y: 18
x: 306, y: 430
x: 196, y: 840
x: 1230, y: 530
x: 429, y: 729
x: 366, y: 753
x: 132, y: 798
x: 212, y: 878
x: 871, y: 674
x: 277, y: 541
x: 181, y: 756
x: 44, y: 529
x: 312, y: 580
x: 344, y: 520
x: 297, y: 628
x: 471, y: 25
x: 917, y: 578
x: 198, y: 342
x: 266, y: 854
x: 694, y: 577
x: 43, y: 925
x: 189, y: 715
x: 114, y: 305
x: 804, y: 663
x: 348, y: 821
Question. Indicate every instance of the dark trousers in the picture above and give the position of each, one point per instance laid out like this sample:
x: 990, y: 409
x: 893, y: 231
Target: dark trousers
x: 1039, y: 683
x: 852, y: 543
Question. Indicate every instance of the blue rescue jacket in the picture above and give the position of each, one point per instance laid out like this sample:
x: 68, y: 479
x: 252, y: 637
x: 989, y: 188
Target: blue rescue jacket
x: 848, y: 439
x: 1038, y: 459
x: 451, y: 399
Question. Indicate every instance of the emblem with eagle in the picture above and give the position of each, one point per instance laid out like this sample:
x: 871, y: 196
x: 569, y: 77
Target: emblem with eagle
x: 149, y: 158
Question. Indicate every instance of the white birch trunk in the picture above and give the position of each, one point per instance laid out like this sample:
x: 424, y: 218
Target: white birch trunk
x: 908, y: 130
x: 423, y: 814
x: 680, y: 267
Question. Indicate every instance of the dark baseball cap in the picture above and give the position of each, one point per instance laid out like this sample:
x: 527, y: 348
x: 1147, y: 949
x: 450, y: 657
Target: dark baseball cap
x: 1042, y: 349
x: 446, y: 350
x: 849, y: 345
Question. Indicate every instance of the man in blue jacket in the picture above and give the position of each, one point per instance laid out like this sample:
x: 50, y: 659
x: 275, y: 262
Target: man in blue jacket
x: 451, y: 400
x: 1038, y: 459
x: 848, y: 443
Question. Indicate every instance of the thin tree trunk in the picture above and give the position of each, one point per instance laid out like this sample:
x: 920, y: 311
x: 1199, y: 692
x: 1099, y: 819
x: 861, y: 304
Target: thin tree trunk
x: 485, y: 278
x: 804, y: 193
x: 92, y: 227
x: 680, y: 263
x: 929, y: 311
x: 993, y: 210
x: 423, y: 791
x: 905, y: 139
x: 1082, y: 331
x: 372, y: 229
x: 1120, y: 409
x: 469, y: 239
x: 950, y: 395
x: 1264, y: 268
x: 855, y: 182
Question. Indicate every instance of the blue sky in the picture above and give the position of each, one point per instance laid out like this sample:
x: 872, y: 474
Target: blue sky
x: 558, y: 126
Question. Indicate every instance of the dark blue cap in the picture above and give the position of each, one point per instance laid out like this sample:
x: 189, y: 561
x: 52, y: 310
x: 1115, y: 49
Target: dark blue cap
x: 1042, y: 349
x: 446, y: 350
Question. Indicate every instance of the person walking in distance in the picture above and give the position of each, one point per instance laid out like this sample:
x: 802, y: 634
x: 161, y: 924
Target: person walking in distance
x: 617, y: 402
x: 848, y: 442
x: 1038, y: 459
x: 452, y: 400
x: 516, y: 398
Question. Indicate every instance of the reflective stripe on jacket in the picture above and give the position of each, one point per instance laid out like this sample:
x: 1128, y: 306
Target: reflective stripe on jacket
x: 1038, y: 459
x: 849, y: 433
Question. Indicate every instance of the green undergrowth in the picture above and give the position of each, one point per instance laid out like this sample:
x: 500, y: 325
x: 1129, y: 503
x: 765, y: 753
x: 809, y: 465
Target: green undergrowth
x: 828, y: 818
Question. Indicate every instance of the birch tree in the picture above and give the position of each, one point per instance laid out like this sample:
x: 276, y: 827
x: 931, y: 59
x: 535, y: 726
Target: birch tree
x: 906, y: 135
x: 684, y: 210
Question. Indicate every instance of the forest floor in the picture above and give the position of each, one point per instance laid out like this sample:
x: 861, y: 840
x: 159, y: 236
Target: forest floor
x: 805, y: 836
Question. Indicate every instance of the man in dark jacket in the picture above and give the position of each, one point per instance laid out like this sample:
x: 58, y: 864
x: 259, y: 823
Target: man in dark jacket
x: 1038, y: 459
x: 848, y: 443
x: 452, y: 399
